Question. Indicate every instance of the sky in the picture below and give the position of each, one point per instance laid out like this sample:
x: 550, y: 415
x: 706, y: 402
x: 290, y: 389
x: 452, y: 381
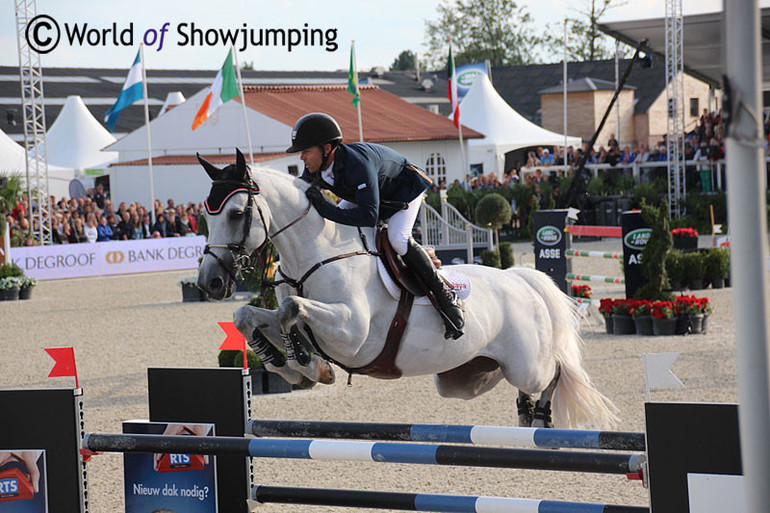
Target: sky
x: 381, y: 30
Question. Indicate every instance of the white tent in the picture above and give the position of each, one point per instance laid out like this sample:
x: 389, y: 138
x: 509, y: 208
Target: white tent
x: 173, y: 99
x: 76, y: 138
x: 485, y: 111
x: 13, y: 161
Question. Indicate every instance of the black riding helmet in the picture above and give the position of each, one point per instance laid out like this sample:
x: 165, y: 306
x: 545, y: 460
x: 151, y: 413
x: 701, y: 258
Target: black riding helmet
x: 314, y: 129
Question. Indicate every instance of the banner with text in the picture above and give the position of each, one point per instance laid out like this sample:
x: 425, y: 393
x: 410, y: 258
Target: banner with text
x: 107, y: 258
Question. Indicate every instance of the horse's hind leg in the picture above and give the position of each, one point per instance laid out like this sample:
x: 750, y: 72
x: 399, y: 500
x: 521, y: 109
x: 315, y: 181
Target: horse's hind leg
x: 542, y: 412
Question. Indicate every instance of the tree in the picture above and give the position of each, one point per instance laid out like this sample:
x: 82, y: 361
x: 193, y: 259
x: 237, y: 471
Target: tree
x: 494, y: 211
x: 496, y: 30
x: 404, y: 61
x: 585, y: 42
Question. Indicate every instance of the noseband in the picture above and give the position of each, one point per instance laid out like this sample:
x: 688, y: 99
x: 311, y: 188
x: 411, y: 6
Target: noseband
x: 240, y: 255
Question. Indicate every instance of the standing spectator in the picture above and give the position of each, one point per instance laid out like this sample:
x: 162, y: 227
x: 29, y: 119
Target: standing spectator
x: 147, y: 231
x: 99, y: 196
x: 103, y: 231
x: 125, y: 227
x: 78, y: 234
x: 90, y: 228
x: 137, y: 231
x: 193, y: 219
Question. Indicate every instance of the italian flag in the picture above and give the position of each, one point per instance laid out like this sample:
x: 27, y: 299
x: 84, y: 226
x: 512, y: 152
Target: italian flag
x: 452, y: 89
x: 224, y: 88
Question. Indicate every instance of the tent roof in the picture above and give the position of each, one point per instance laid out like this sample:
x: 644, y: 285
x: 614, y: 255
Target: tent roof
x: 703, y: 42
x: 584, y: 84
x: 484, y: 110
x: 76, y: 138
x: 11, y: 154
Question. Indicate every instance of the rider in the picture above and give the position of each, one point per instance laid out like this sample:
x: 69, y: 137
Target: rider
x: 374, y: 182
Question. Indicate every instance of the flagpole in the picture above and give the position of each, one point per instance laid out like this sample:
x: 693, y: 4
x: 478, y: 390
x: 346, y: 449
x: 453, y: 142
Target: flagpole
x: 457, y: 113
x: 564, y: 152
x: 149, y: 139
x: 243, y: 104
x: 358, y: 88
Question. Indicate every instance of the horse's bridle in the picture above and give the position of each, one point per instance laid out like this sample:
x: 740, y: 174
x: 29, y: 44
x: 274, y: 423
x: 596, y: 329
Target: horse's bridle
x: 241, y: 256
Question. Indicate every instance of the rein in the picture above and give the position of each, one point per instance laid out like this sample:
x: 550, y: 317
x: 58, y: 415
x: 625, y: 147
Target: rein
x: 241, y: 257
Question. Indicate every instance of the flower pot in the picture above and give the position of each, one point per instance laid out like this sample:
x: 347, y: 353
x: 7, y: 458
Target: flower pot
x: 686, y: 244
x: 25, y: 292
x: 623, y: 325
x: 696, y: 284
x: 191, y: 292
x: 696, y: 323
x: 643, y: 324
x: 608, y: 324
x: 10, y: 294
x: 717, y: 283
x: 682, y: 325
x: 704, y: 328
x: 264, y: 382
x: 663, y: 326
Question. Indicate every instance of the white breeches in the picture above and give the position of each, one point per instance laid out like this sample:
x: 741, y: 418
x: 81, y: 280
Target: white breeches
x: 399, y: 225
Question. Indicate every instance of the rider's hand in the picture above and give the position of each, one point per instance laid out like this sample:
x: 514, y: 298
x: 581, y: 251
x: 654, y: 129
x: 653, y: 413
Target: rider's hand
x: 316, y: 197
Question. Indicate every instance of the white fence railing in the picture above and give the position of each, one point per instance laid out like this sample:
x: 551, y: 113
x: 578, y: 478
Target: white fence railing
x: 452, y: 230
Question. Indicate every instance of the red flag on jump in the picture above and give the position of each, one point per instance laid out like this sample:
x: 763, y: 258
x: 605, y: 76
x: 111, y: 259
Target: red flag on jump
x: 234, y: 341
x: 65, y: 363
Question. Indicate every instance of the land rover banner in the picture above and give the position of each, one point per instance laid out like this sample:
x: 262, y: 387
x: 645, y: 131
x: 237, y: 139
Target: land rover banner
x: 635, y: 237
x: 550, y: 243
x: 106, y: 258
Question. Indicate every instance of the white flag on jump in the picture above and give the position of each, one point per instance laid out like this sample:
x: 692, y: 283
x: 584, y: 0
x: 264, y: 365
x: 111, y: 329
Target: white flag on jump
x: 657, y: 371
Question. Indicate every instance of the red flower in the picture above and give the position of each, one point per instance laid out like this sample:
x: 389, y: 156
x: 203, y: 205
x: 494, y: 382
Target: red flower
x: 684, y: 232
x: 663, y: 310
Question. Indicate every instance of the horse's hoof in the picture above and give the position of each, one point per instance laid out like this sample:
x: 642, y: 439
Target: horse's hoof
x: 326, y: 374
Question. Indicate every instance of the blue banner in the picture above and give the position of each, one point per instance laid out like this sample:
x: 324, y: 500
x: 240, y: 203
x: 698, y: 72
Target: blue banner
x: 169, y: 482
x: 23, y: 481
x: 466, y: 76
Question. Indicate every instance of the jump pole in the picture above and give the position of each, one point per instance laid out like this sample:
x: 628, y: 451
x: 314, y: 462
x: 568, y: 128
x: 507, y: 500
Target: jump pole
x: 376, y: 452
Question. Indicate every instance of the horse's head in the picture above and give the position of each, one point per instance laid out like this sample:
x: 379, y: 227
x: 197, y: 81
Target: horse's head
x: 236, y: 226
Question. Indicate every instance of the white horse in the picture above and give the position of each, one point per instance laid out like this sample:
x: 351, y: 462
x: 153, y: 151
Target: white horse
x: 519, y: 325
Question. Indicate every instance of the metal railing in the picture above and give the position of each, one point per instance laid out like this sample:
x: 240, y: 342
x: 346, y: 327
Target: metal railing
x: 452, y: 231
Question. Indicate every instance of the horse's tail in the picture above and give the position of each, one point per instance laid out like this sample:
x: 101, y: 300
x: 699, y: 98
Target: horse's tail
x: 576, y: 402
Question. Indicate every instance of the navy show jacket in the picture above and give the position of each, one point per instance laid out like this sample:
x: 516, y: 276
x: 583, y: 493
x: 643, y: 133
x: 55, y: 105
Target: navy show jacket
x: 379, y: 180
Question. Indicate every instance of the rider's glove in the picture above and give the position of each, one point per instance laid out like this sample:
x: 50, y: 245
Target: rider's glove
x: 316, y: 197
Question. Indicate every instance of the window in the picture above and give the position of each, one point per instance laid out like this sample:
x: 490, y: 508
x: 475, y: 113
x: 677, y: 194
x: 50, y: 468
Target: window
x: 694, y: 107
x: 435, y: 167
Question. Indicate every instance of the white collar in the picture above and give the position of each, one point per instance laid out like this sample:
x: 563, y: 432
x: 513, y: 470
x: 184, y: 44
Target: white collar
x: 328, y: 175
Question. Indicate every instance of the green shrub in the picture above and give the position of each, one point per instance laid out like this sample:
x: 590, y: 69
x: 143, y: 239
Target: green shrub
x: 674, y: 266
x: 490, y: 258
x: 3, y: 225
x: 493, y: 210
x: 716, y: 263
x: 597, y: 187
x: 654, y: 253
x: 226, y: 358
x: 694, y: 265
x: 506, y: 255
x: 8, y: 270
x: 235, y: 359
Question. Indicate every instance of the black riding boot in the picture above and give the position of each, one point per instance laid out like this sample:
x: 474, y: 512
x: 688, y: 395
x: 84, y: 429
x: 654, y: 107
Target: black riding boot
x: 422, y: 266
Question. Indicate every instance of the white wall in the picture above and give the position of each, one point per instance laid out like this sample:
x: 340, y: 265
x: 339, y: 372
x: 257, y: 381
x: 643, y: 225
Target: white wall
x: 419, y: 152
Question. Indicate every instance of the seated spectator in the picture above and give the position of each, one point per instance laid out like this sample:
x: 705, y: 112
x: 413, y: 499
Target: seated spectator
x: 137, y: 230
x: 103, y: 231
x: 147, y: 231
x: 78, y: 234
x: 90, y: 228
x: 161, y: 226
x: 125, y: 228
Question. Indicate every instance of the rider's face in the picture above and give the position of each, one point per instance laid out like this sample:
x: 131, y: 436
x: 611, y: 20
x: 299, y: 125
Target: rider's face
x: 312, y: 158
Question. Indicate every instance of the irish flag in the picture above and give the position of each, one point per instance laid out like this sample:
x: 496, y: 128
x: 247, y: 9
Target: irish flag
x: 452, y: 89
x: 223, y: 89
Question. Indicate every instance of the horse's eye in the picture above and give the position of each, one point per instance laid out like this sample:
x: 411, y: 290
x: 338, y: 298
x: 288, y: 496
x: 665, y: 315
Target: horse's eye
x: 236, y: 214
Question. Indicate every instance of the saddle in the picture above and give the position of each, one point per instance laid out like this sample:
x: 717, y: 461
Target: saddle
x: 396, y: 267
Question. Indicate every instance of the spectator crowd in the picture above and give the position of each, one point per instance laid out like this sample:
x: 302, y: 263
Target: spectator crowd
x: 94, y: 218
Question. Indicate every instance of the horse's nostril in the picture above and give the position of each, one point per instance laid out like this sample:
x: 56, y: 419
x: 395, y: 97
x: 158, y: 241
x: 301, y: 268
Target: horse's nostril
x: 216, y: 284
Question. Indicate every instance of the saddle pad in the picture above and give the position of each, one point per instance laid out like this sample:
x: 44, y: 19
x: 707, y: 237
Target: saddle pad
x: 459, y: 281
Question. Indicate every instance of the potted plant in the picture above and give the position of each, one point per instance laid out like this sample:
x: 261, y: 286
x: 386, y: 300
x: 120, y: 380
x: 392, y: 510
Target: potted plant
x: 581, y: 291
x: 9, y: 288
x: 685, y: 239
x: 663, y: 318
x: 190, y: 290
x: 675, y: 269
x: 622, y: 322
x: 605, y: 308
x: 694, y: 310
x: 693, y: 265
x: 717, y: 265
x: 27, y: 283
x: 640, y: 311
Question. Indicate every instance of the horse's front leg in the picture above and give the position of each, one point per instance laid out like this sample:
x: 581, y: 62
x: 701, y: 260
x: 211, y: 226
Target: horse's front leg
x: 328, y: 322
x: 261, y: 329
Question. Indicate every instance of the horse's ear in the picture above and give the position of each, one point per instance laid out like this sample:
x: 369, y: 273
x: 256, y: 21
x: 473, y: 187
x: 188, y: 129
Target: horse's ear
x: 213, y: 171
x: 240, y: 165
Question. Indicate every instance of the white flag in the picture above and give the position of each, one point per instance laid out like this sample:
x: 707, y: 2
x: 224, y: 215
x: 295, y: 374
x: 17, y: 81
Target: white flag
x: 657, y: 371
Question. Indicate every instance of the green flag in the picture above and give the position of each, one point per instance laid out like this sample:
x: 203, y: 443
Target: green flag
x: 353, y: 79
